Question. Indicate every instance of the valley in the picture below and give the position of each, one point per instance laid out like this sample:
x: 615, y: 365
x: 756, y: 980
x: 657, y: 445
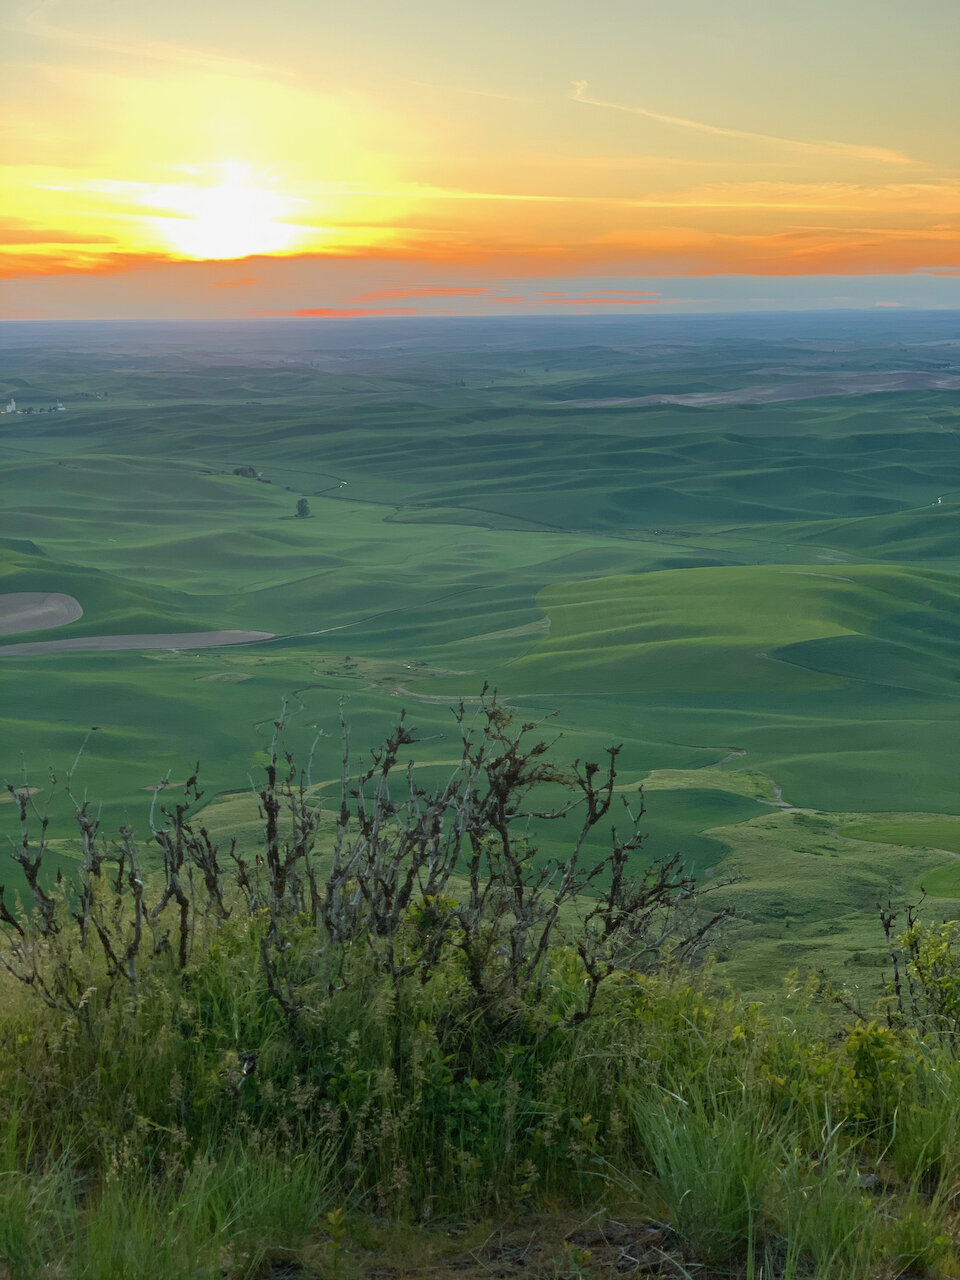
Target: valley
x: 729, y: 543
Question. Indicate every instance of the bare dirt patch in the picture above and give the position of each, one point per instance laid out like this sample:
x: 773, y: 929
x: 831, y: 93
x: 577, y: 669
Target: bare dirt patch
x: 540, y: 627
x: 36, y: 611
x: 104, y: 644
x: 540, y: 1248
x: 803, y: 388
x: 11, y: 797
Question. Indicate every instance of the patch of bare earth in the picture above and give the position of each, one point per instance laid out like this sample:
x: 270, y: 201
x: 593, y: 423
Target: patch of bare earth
x: 36, y: 611
x: 104, y: 644
x: 542, y: 1248
x: 160, y: 640
x: 13, y: 797
x: 802, y: 388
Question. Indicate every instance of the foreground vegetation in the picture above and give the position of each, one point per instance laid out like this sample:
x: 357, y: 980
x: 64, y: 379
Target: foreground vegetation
x: 395, y: 1042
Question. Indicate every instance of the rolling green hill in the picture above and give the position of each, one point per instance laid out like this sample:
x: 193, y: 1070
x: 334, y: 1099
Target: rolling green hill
x: 755, y: 589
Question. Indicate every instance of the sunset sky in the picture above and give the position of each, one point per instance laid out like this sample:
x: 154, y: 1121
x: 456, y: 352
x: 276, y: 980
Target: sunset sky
x: 224, y: 158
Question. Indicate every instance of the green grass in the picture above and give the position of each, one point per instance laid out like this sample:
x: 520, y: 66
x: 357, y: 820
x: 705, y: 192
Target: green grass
x: 792, y: 864
x: 919, y: 831
x: 746, y: 630
x: 738, y: 1138
x: 941, y: 882
x: 259, y: 1111
x: 915, y: 832
x: 775, y: 579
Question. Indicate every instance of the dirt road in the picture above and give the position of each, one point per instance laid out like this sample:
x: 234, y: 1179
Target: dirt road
x: 161, y: 640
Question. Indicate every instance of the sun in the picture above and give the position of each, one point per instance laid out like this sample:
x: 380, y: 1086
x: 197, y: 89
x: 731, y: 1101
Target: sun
x: 235, y: 217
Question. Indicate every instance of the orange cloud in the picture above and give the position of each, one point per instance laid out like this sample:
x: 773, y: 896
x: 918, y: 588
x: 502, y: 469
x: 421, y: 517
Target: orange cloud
x: 43, y: 236
x: 243, y: 282
x: 690, y: 251
x: 14, y: 266
x: 618, y: 251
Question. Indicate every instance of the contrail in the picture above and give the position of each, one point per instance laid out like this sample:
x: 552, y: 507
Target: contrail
x: 881, y: 154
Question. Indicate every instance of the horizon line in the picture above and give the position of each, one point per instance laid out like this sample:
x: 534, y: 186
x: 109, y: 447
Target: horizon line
x: 645, y: 317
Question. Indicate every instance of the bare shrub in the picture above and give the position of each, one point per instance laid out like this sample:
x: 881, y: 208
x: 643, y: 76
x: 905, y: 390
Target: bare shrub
x: 923, y: 989
x: 413, y: 877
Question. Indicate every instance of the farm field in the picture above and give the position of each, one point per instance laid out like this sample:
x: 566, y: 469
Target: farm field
x: 729, y: 543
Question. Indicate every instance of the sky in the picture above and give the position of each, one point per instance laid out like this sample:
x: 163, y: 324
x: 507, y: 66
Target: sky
x: 230, y: 159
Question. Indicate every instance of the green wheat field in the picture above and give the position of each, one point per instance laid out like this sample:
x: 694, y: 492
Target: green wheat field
x: 754, y: 587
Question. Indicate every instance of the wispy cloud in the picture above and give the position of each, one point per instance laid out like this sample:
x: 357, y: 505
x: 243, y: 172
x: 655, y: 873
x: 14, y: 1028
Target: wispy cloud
x: 883, y: 155
x: 493, y: 94
x: 752, y: 194
x: 939, y: 234
x: 50, y: 235
x: 426, y: 191
x: 552, y: 298
x: 590, y: 298
x: 602, y: 298
x: 338, y: 313
x: 85, y: 259
x: 421, y: 291
x: 34, y: 23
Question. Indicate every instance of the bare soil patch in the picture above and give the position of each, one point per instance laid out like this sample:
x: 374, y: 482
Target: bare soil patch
x: 103, y: 644
x: 804, y: 388
x: 8, y: 797
x: 540, y: 1247
x: 36, y: 611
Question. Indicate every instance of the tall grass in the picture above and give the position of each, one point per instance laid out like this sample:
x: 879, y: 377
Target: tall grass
x: 129, y: 1152
x: 240, y: 1100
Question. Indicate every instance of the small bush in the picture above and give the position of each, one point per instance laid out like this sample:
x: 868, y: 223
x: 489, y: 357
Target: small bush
x: 214, y: 1059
